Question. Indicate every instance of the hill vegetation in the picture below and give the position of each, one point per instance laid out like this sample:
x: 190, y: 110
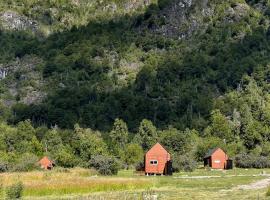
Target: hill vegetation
x: 97, y: 77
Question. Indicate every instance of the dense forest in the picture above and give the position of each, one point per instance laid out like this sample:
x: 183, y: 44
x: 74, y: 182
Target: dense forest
x: 97, y: 83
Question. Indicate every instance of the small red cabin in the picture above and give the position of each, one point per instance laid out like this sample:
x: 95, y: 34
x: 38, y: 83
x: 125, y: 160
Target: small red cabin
x: 158, y: 161
x: 217, y: 159
x: 46, y: 163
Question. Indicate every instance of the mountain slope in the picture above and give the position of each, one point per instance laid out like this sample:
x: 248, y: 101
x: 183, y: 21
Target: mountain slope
x: 168, y: 62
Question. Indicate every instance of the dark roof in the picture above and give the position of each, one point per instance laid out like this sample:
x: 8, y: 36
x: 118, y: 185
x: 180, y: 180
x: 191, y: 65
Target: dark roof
x: 210, y: 152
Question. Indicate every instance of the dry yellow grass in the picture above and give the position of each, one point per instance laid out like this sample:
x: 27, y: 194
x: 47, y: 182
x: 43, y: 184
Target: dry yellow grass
x: 75, y: 181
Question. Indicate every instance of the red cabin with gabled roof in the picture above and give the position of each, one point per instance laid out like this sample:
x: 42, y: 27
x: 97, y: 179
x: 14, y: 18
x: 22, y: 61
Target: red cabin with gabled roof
x: 158, y: 161
x: 217, y: 159
x: 46, y: 163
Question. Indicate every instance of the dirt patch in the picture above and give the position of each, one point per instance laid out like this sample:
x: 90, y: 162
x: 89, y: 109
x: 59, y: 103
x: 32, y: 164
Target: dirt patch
x: 255, y: 186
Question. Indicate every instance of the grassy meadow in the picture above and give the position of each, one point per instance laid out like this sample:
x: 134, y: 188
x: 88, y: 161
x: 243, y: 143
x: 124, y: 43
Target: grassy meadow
x: 86, y: 184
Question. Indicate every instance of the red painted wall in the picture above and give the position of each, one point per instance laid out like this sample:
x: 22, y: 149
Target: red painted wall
x: 219, y: 159
x: 157, y: 152
x: 45, y: 163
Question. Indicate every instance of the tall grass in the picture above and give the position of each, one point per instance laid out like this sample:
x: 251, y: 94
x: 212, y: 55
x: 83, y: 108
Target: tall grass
x: 72, y: 181
x: 268, y: 192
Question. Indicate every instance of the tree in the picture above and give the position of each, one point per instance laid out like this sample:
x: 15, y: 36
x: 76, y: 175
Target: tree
x: 91, y: 144
x: 147, y: 134
x: 64, y: 157
x: 178, y: 141
x: 119, y: 133
x: 133, y: 154
x: 52, y: 140
x: 220, y: 126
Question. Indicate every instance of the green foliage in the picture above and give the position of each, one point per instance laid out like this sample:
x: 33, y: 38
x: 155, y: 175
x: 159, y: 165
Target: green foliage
x: 105, y: 165
x: 26, y: 162
x: 184, y: 163
x: 14, y: 191
x: 64, y: 157
x: 119, y: 134
x: 133, y: 154
x: 147, y: 134
x: 251, y: 161
x: 91, y: 144
x: 220, y: 126
x: 179, y: 141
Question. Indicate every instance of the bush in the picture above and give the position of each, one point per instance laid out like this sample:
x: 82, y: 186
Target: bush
x: 105, y: 165
x: 184, y: 163
x: 243, y: 161
x: 4, y: 165
x: 64, y: 157
x: 251, y: 161
x: 261, y: 162
x: 14, y: 191
x: 27, y: 162
x: 140, y: 166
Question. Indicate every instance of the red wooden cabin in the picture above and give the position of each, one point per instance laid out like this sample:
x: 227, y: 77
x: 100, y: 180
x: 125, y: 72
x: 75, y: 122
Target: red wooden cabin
x: 158, y: 161
x: 46, y: 163
x: 217, y: 159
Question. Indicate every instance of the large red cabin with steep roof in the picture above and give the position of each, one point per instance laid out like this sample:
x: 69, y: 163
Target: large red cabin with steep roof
x: 158, y: 161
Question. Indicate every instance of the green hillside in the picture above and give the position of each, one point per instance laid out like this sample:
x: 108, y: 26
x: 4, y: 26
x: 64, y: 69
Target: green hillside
x: 183, y: 65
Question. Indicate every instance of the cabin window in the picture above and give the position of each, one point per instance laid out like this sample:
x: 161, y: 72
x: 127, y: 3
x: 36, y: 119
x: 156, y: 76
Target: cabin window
x: 153, y: 162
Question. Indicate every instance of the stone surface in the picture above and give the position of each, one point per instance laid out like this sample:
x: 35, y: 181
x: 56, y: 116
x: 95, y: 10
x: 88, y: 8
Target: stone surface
x: 13, y: 21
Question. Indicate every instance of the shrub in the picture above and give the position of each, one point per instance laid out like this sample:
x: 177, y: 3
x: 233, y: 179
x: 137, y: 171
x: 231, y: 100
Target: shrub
x: 243, y: 160
x: 184, y: 162
x: 261, y: 162
x: 64, y: 157
x: 27, y: 162
x: 4, y: 165
x: 133, y: 154
x: 140, y: 166
x: 14, y: 191
x: 251, y: 161
x: 105, y: 165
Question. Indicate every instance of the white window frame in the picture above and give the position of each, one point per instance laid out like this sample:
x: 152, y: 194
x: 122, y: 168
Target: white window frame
x: 153, y: 162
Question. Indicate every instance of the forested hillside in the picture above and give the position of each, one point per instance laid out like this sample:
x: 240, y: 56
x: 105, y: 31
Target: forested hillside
x: 192, y: 74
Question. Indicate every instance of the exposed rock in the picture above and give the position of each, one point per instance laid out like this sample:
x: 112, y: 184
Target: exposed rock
x: 181, y: 18
x: 236, y: 13
x: 135, y: 4
x: 23, y: 81
x: 130, y: 5
x: 13, y: 21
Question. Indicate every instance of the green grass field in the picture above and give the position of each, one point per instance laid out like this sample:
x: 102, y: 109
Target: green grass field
x: 86, y: 184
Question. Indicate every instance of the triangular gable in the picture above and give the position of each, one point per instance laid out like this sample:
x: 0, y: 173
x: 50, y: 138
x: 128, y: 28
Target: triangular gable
x: 211, y: 152
x: 45, y: 160
x: 158, y: 147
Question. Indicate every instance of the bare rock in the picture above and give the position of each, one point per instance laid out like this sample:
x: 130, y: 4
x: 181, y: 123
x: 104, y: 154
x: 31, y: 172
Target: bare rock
x: 23, y: 81
x: 236, y: 13
x: 13, y: 21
